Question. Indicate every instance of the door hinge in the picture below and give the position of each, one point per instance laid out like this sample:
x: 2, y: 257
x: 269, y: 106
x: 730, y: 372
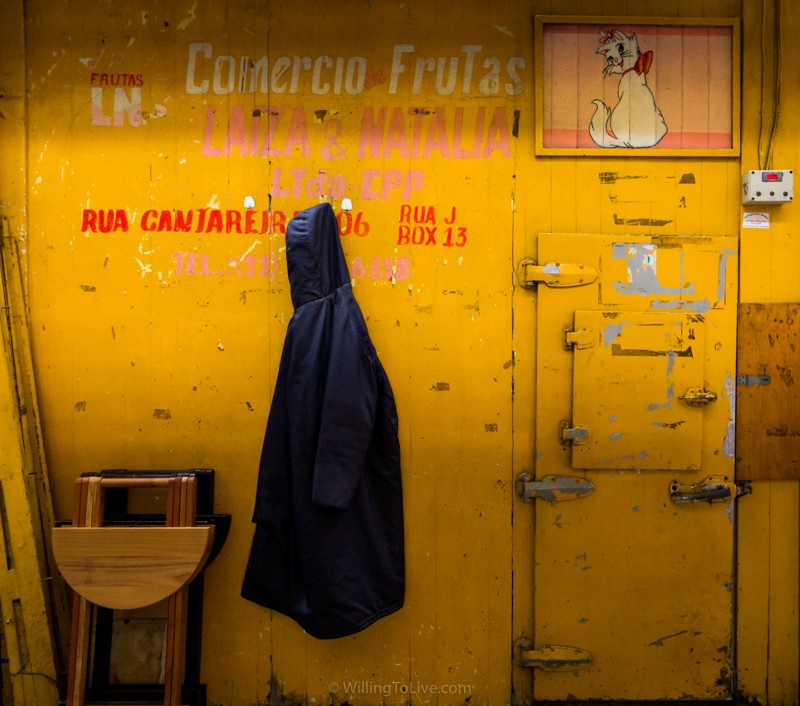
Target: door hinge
x: 576, y: 435
x: 748, y: 380
x: 554, y: 274
x: 580, y: 339
x: 713, y: 489
x: 698, y: 397
x: 553, y: 658
x: 552, y: 488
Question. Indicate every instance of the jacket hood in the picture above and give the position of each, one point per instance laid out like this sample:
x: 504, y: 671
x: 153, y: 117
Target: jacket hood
x: 314, y: 255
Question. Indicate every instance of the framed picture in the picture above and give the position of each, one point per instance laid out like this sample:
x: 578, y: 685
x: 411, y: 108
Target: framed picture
x: 637, y: 86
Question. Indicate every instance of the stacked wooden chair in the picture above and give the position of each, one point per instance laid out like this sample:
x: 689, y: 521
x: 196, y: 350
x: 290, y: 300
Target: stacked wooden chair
x: 129, y: 566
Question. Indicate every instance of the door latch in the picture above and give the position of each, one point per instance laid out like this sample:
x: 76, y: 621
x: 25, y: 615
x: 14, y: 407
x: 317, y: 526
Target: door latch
x: 552, y: 488
x: 698, y: 397
x: 576, y: 435
x: 554, y: 274
x: 713, y: 489
x: 581, y: 338
x: 748, y: 380
x: 553, y: 658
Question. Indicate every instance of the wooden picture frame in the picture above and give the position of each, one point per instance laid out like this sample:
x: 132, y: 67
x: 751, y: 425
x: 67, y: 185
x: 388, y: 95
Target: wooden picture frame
x: 668, y: 86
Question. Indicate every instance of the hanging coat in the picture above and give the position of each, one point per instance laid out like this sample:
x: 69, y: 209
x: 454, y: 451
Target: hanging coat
x: 328, y: 544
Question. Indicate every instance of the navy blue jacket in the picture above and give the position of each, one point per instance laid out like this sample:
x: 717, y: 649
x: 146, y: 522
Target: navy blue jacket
x: 328, y: 545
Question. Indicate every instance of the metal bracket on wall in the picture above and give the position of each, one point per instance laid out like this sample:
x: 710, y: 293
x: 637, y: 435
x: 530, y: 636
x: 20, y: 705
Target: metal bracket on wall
x: 575, y: 434
x: 552, y: 658
x: 552, y: 488
x: 581, y: 339
x: 750, y: 380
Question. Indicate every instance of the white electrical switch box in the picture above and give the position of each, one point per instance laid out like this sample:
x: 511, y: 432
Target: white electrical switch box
x: 760, y: 187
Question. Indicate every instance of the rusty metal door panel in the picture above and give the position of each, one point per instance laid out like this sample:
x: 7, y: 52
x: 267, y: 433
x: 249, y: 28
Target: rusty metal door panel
x: 640, y: 583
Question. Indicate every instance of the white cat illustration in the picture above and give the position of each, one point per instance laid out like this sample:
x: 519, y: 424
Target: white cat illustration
x: 636, y: 120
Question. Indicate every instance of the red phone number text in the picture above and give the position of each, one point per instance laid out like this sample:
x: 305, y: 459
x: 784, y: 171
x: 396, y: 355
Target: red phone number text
x: 271, y: 267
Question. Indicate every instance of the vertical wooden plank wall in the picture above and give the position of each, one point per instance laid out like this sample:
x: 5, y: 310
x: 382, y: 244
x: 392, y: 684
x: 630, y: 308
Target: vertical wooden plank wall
x: 145, y: 361
x: 153, y: 352
x: 13, y: 144
x: 769, y: 536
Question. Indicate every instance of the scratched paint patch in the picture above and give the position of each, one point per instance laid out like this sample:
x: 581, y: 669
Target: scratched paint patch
x: 613, y: 177
x: 612, y: 332
x: 729, y: 443
x: 660, y: 641
x: 701, y: 306
x: 658, y: 222
x: 186, y: 21
x: 677, y: 273
x: 642, y: 269
x: 162, y: 414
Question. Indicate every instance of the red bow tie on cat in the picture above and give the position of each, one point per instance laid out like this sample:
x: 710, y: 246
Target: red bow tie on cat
x: 642, y: 65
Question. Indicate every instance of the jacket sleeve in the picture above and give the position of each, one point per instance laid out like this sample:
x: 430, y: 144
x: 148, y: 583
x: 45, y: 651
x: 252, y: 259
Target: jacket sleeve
x: 347, y: 416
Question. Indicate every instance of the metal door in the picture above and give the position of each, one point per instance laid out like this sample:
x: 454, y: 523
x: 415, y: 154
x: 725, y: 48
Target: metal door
x: 635, y: 398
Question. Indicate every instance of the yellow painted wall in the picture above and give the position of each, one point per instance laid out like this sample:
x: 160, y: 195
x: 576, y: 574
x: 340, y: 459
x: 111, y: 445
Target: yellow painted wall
x: 157, y: 348
x: 768, y: 528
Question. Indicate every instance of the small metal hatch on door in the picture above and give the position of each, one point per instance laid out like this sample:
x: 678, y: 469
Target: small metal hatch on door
x: 630, y: 379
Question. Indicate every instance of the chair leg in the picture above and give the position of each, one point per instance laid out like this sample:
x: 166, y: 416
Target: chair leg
x: 78, y: 651
x: 87, y: 512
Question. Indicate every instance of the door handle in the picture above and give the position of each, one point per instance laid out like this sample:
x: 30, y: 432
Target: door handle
x: 711, y: 489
